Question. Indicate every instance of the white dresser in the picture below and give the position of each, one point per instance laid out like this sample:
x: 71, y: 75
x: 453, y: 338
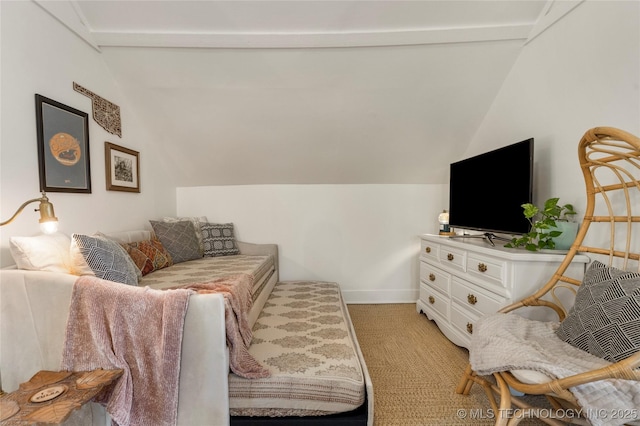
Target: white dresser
x: 463, y: 278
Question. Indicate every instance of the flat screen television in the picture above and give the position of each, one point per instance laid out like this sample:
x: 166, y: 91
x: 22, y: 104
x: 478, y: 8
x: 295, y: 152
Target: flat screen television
x: 486, y: 191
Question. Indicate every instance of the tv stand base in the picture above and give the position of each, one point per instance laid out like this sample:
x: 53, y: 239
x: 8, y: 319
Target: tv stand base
x: 487, y: 236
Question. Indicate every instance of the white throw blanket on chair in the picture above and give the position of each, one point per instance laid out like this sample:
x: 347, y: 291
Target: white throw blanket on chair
x: 504, y: 342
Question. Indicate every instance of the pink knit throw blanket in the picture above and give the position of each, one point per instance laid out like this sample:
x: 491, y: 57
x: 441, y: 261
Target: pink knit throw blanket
x: 236, y: 290
x: 137, y: 329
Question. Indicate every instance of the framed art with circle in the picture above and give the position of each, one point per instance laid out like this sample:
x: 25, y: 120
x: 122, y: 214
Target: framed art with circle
x: 63, y: 147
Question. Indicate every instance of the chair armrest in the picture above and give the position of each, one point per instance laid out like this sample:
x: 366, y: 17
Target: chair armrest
x: 530, y: 302
x: 626, y: 369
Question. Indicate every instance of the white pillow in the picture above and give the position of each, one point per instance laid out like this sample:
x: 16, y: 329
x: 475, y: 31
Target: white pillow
x: 180, y: 219
x: 42, y: 253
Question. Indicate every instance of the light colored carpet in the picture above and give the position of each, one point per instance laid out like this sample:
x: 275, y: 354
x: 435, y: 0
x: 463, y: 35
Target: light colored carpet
x: 415, y: 370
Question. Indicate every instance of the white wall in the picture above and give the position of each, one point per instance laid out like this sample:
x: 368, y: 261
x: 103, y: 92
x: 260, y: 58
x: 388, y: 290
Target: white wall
x: 583, y: 72
x: 580, y: 73
x: 364, y: 237
x: 39, y: 55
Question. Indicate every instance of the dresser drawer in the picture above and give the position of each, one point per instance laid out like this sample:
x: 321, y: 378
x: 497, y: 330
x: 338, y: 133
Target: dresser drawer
x: 452, y: 257
x: 471, y: 296
x: 488, y: 269
x: 467, y: 278
x: 434, y: 300
x: 435, y: 277
x: 463, y: 321
x: 429, y: 250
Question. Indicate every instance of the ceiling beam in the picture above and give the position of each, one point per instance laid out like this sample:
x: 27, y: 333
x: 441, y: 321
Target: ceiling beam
x: 69, y: 15
x: 552, y: 13
x: 313, y: 40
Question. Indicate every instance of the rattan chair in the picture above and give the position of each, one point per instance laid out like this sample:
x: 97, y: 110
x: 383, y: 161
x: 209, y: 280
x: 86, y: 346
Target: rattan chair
x: 610, y: 162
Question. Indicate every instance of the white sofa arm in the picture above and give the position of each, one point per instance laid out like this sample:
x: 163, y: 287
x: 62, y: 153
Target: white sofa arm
x: 204, y: 365
x: 34, y: 307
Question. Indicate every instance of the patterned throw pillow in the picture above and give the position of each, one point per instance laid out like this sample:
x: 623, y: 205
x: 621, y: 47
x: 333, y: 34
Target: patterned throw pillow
x: 605, y: 319
x: 148, y: 255
x: 179, y: 238
x: 218, y: 239
x: 196, y: 220
x: 106, y: 258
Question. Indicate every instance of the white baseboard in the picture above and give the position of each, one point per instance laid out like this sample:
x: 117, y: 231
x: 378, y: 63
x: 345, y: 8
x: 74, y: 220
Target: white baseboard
x: 379, y: 296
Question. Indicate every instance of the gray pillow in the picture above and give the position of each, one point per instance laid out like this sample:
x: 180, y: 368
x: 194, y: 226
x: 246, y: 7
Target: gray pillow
x: 196, y: 220
x: 107, y: 259
x: 179, y: 239
x: 218, y: 239
x: 605, y: 319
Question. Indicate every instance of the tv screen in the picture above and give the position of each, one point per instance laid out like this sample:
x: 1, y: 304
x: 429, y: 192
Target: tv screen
x: 486, y: 191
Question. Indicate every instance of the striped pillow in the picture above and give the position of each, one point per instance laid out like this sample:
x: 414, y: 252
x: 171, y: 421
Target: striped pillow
x: 605, y: 319
x: 106, y: 258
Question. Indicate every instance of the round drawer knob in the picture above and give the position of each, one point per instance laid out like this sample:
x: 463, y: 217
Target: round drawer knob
x: 470, y: 328
x: 432, y: 277
x: 449, y: 256
x: 432, y: 300
x: 427, y: 249
x: 482, y: 267
x: 472, y: 299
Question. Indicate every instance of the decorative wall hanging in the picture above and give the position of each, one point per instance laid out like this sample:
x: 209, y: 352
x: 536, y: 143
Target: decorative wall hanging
x: 105, y: 113
x: 122, y: 166
x: 63, y: 147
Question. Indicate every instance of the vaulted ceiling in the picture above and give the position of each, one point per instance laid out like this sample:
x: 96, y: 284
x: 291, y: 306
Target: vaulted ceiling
x: 250, y: 92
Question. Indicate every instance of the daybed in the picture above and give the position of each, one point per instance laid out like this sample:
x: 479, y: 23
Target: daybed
x: 293, y: 323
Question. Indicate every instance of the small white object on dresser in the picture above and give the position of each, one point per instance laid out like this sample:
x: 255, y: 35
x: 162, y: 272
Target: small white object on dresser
x: 462, y: 279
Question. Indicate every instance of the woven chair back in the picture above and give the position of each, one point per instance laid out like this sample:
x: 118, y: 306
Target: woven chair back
x: 610, y: 162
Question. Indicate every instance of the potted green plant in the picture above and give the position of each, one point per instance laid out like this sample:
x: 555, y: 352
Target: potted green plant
x: 547, y: 224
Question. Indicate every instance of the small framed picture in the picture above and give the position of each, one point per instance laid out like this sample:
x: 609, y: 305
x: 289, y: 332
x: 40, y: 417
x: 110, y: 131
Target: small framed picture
x: 63, y: 147
x: 122, y: 166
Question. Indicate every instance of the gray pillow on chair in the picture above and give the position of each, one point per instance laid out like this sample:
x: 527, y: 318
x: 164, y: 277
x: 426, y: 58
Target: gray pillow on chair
x: 605, y: 319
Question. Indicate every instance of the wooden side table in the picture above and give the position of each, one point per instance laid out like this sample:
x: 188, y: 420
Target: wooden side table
x: 51, y: 396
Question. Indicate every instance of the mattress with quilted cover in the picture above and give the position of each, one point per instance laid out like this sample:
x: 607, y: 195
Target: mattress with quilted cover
x: 262, y: 268
x: 305, y: 338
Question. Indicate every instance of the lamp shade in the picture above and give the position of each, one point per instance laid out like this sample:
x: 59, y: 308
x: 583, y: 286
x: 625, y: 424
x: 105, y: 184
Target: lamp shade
x: 48, y: 219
